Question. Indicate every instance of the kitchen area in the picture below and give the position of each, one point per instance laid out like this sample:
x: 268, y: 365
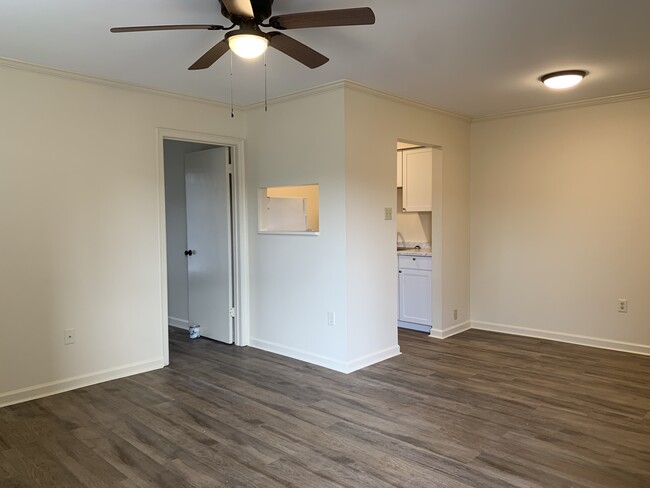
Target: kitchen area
x: 414, y: 235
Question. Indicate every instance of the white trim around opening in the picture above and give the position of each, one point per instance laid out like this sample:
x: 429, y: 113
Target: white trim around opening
x: 240, y: 232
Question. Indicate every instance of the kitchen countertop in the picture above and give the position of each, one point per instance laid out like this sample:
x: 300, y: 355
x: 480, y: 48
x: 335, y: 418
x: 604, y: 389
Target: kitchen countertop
x: 425, y: 251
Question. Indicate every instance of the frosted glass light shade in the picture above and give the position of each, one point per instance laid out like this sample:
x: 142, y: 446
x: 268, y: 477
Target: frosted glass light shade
x: 248, y: 46
x: 563, y: 79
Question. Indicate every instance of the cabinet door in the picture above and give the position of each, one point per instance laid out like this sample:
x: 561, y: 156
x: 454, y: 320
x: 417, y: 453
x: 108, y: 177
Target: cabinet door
x: 415, y: 296
x: 399, y: 169
x: 417, y: 180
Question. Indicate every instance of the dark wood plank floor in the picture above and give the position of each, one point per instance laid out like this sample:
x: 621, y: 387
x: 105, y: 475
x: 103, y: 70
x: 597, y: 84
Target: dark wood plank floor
x: 476, y: 410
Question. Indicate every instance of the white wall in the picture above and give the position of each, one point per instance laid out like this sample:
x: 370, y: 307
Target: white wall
x: 80, y: 197
x: 296, y: 280
x: 373, y: 125
x: 80, y: 223
x: 176, y: 226
x: 561, y: 224
x: 348, y: 147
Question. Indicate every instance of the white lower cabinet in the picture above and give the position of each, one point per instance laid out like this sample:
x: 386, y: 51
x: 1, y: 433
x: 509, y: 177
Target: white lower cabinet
x: 414, y: 275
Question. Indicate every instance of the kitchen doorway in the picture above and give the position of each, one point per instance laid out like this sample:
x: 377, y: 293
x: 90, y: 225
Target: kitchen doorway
x: 419, y: 236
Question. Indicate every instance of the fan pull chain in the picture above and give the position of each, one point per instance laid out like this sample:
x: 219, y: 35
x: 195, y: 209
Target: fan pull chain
x: 266, y: 106
x: 232, y: 104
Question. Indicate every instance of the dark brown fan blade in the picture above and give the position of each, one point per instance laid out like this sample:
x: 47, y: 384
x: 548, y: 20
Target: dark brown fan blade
x: 324, y: 18
x: 243, y: 8
x: 209, y: 58
x: 142, y: 28
x: 297, y: 50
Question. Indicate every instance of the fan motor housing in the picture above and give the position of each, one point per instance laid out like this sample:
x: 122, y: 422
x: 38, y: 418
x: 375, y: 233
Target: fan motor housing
x: 262, y: 9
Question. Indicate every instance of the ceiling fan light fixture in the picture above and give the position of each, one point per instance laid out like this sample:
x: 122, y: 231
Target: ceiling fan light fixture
x: 248, y: 46
x: 559, y: 80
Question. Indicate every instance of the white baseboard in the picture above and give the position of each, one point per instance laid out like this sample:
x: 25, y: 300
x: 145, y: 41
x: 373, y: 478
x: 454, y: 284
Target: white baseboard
x: 180, y: 323
x: 373, y: 358
x: 450, y: 331
x: 299, y: 354
x: 60, y: 386
x: 329, y: 363
x: 562, y: 337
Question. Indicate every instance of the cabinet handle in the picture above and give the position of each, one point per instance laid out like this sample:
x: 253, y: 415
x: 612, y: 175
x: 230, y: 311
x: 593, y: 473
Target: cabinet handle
x: 413, y: 259
x: 400, y: 270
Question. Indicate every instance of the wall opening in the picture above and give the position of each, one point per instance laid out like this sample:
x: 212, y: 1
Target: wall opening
x: 289, y: 210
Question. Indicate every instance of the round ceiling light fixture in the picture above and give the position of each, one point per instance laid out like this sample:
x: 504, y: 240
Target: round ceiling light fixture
x: 246, y: 44
x: 563, y: 79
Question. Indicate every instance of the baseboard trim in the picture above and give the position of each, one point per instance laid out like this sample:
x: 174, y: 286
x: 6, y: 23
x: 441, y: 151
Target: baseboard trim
x: 325, y: 362
x: 450, y: 331
x: 562, y: 337
x: 299, y: 354
x: 374, y: 358
x: 180, y: 323
x: 60, y: 386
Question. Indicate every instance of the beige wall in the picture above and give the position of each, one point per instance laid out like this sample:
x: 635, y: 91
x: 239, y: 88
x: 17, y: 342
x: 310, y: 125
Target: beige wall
x: 80, y: 189
x: 373, y: 125
x: 297, y: 279
x: 80, y: 223
x: 561, y: 224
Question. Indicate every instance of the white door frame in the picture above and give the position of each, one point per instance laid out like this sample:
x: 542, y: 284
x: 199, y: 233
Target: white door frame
x: 239, y: 235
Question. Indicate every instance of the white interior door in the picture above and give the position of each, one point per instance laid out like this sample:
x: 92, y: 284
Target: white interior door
x: 209, y: 263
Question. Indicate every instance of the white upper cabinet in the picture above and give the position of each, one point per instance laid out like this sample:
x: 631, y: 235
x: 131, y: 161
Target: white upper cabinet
x: 417, y: 179
x: 399, y: 168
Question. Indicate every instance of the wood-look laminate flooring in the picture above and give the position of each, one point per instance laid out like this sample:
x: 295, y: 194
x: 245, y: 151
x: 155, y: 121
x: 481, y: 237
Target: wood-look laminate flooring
x: 477, y: 410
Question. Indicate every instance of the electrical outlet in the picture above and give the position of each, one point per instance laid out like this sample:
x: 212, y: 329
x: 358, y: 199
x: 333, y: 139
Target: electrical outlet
x: 68, y: 336
x: 388, y: 213
x: 455, y: 314
x: 331, y: 318
x: 622, y: 305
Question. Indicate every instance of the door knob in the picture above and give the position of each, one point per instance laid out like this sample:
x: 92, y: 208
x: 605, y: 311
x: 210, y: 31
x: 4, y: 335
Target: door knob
x: 189, y: 252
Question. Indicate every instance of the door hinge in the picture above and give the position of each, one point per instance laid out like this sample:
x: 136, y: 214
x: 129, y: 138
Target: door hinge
x: 232, y: 312
x: 229, y: 168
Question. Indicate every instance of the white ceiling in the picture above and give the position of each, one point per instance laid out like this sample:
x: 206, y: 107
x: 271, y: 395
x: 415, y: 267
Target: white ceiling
x: 474, y: 57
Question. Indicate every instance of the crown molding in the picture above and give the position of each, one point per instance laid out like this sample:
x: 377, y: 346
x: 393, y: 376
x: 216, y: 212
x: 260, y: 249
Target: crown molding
x: 353, y: 85
x: 328, y: 87
x: 309, y: 92
x: 566, y: 106
x: 72, y: 75
x: 404, y: 100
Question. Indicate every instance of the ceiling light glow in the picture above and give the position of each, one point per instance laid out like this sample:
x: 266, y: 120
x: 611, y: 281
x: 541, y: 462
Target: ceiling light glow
x: 248, y: 46
x: 563, y: 79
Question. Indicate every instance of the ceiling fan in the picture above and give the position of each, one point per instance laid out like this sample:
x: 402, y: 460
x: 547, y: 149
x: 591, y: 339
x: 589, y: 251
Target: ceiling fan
x: 249, y: 41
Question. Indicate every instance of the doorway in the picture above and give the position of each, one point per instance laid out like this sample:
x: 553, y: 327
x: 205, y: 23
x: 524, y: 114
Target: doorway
x: 203, y: 238
x: 419, y: 225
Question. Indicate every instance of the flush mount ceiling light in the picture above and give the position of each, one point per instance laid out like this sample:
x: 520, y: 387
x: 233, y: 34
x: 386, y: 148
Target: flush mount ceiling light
x: 563, y: 79
x: 247, y: 44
